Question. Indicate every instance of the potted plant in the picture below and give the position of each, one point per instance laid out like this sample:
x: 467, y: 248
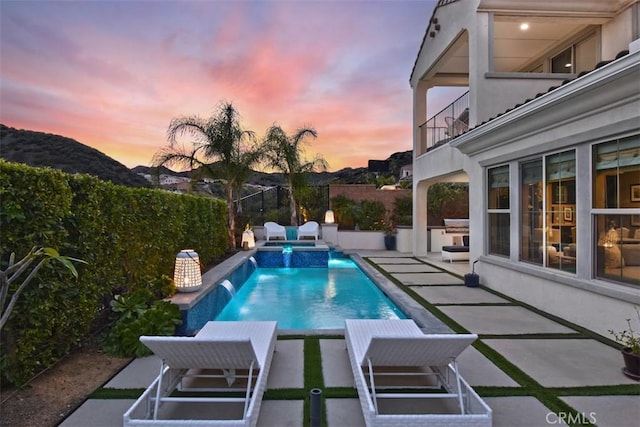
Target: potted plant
x: 631, y: 350
x: 389, y: 229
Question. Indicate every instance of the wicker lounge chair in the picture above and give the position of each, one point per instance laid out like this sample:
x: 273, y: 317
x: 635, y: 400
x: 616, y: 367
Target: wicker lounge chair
x: 273, y: 230
x: 221, y: 355
x: 309, y: 229
x: 379, y: 348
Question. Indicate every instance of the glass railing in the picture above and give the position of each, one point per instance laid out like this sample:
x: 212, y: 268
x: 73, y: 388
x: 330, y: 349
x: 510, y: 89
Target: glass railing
x: 450, y: 122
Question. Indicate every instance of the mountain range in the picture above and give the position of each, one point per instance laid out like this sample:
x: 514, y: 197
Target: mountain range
x: 41, y: 149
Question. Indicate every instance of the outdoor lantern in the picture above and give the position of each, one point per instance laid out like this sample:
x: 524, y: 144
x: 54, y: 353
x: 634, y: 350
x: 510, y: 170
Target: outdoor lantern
x: 187, y: 273
x: 328, y: 217
x: 248, y: 240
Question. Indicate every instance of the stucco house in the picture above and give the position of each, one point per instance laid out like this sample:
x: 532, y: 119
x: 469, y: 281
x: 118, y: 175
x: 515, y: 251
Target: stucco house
x: 548, y: 138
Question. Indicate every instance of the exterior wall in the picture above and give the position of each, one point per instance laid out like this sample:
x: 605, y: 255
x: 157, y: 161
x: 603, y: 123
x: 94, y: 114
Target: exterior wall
x: 360, y: 192
x: 370, y: 240
x: 597, y: 107
x: 589, y: 112
x: 617, y: 33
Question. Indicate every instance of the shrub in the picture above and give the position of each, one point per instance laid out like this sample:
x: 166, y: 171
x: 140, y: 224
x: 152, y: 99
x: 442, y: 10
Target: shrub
x: 127, y: 237
x: 403, y: 211
x: 137, y: 317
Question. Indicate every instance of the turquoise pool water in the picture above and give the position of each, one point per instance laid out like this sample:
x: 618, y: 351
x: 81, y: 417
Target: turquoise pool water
x: 310, y: 298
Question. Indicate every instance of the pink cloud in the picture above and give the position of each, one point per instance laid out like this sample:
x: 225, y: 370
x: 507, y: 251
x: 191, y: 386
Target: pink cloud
x: 330, y: 65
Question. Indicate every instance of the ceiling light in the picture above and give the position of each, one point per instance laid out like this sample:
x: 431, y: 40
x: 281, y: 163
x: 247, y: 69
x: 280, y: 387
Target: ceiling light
x: 568, y: 65
x: 524, y: 26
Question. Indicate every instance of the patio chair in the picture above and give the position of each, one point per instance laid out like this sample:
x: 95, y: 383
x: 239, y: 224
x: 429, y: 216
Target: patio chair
x: 220, y: 355
x: 393, y: 359
x: 273, y: 230
x: 309, y: 229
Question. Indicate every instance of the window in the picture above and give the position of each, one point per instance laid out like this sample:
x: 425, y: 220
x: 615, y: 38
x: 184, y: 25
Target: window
x: 562, y: 62
x: 616, y: 203
x: 548, y: 227
x: 560, y: 211
x: 580, y: 56
x: 498, y: 210
x: 532, y: 196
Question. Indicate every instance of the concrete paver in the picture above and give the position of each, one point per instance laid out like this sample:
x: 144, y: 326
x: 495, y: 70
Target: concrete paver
x: 457, y: 295
x: 281, y: 413
x: 607, y: 410
x: 564, y: 362
x: 477, y: 370
x: 521, y: 411
x: 428, y: 279
x: 503, y: 320
x: 344, y: 413
x: 98, y: 413
x: 146, y: 370
x: 287, y: 366
x: 336, y: 369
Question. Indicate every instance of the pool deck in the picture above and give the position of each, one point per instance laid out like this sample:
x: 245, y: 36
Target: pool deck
x: 556, y: 366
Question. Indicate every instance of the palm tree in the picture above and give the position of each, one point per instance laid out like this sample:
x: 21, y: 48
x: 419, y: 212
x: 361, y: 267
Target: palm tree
x: 221, y: 148
x: 285, y: 153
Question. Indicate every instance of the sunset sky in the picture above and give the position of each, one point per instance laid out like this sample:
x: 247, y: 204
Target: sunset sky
x: 112, y: 74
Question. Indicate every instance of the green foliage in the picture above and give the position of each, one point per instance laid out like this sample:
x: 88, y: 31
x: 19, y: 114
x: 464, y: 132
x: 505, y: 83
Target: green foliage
x: 441, y: 193
x: 19, y: 274
x: 220, y: 148
x: 281, y: 216
x: 372, y: 215
x: 127, y: 236
x: 403, y: 211
x: 346, y: 211
x: 137, y: 317
x: 367, y: 214
x: 628, y: 338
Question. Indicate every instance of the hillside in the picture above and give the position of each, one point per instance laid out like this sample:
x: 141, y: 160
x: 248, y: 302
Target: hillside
x: 343, y: 176
x: 43, y: 149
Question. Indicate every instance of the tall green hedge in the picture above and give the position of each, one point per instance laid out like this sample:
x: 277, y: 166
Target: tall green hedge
x: 126, y: 235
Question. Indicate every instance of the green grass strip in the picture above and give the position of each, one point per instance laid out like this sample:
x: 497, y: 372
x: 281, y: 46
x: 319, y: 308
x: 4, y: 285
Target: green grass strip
x: 117, y: 393
x: 285, y: 394
x: 340, y: 393
x: 313, y: 377
x: 611, y: 390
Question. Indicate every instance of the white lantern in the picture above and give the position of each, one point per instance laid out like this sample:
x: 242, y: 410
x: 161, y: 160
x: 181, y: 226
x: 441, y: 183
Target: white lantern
x: 187, y: 274
x: 249, y: 239
x: 329, y: 217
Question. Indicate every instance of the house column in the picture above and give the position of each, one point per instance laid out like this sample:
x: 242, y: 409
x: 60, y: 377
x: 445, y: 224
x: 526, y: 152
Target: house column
x: 419, y: 116
x: 420, y: 238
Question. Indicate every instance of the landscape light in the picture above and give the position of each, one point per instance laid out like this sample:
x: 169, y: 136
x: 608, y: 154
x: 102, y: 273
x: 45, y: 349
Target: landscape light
x: 187, y: 274
x: 329, y: 217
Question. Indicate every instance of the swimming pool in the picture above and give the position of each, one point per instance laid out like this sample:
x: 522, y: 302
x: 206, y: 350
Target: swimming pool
x: 309, y: 298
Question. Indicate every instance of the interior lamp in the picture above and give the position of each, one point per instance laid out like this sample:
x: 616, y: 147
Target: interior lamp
x: 187, y: 275
x: 329, y: 218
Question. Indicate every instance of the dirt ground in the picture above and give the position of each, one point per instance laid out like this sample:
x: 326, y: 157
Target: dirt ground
x: 55, y: 393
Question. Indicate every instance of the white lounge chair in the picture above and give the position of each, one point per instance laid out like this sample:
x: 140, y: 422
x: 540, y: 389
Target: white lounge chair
x: 309, y: 229
x: 273, y: 230
x: 221, y: 354
x: 379, y: 348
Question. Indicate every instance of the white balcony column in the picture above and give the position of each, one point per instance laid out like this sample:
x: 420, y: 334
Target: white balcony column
x: 420, y: 240
x: 419, y: 116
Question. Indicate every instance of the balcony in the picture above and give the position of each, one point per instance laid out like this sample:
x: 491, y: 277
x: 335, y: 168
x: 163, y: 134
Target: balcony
x: 450, y: 122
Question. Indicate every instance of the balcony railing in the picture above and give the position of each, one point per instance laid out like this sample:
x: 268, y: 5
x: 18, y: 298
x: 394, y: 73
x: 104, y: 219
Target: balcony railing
x: 450, y: 122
